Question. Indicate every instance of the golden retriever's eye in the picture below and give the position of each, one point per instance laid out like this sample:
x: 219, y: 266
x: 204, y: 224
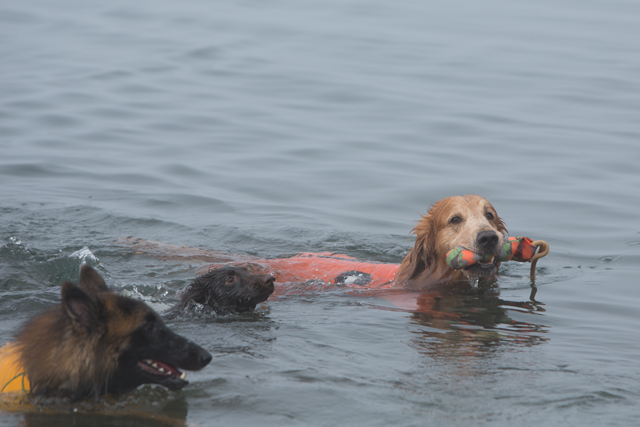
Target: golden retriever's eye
x: 489, y: 216
x: 455, y: 220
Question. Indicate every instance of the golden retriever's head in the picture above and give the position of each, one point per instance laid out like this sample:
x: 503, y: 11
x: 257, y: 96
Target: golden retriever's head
x: 469, y: 221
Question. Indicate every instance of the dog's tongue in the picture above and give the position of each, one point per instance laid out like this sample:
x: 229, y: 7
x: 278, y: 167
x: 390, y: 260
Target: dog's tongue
x: 159, y: 368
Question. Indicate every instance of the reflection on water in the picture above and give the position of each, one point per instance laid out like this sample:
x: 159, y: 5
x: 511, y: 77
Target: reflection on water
x: 147, y: 406
x: 474, y: 326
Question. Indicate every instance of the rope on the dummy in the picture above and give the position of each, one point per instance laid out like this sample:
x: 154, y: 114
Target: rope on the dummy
x: 544, y: 250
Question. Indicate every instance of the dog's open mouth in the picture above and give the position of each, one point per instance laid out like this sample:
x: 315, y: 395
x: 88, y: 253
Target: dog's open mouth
x: 155, y: 367
x: 483, y: 267
x: 490, y: 263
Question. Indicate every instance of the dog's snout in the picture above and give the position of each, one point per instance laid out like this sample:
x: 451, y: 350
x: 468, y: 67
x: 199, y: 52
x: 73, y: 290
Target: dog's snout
x: 487, y: 238
x: 205, y: 357
x: 198, y: 359
x: 269, y: 281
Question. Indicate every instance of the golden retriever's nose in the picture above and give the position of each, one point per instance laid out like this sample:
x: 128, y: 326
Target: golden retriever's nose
x: 487, y: 239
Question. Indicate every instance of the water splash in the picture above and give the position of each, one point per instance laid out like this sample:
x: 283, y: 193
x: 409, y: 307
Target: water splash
x: 14, y: 241
x: 85, y: 255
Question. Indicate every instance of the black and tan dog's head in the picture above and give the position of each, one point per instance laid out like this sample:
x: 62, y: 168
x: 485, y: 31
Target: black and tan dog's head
x: 97, y: 342
x: 228, y: 289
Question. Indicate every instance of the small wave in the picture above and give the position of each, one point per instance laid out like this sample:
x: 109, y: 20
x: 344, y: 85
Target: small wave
x: 85, y: 255
x: 152, y: 299
x: 14, y: 241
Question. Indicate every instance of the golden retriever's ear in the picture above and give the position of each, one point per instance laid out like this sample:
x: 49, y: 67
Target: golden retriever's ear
x: 423, y: 253
x: 501, y: 225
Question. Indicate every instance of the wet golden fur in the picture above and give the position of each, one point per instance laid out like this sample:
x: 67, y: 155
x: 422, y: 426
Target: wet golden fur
x: 454, y: 221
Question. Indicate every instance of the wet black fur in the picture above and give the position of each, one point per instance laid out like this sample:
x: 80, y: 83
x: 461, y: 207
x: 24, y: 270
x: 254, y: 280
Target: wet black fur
x: 228, y: 289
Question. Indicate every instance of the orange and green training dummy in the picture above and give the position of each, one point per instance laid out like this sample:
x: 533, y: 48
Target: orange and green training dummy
x: 517, y: 249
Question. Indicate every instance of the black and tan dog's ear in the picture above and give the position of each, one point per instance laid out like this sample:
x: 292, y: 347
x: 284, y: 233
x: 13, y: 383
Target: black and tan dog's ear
x: 91, y: 282
x: 81, y: 309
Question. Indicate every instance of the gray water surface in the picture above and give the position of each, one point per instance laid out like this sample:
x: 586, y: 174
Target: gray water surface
x: 271, y: 128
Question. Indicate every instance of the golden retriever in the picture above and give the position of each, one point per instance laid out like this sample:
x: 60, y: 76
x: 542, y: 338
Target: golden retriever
x: 468, y: 221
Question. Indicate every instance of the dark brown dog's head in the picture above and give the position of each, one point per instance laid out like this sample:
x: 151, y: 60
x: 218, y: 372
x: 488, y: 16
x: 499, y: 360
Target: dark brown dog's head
x: 229, y: 289
x: 468, y: 221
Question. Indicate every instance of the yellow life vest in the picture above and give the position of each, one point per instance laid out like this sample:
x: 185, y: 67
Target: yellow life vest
x: 12, y: 375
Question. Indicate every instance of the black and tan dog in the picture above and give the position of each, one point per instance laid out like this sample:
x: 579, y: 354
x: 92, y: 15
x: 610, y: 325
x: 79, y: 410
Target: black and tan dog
x: 225, y: 290
x: 96, y: 342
